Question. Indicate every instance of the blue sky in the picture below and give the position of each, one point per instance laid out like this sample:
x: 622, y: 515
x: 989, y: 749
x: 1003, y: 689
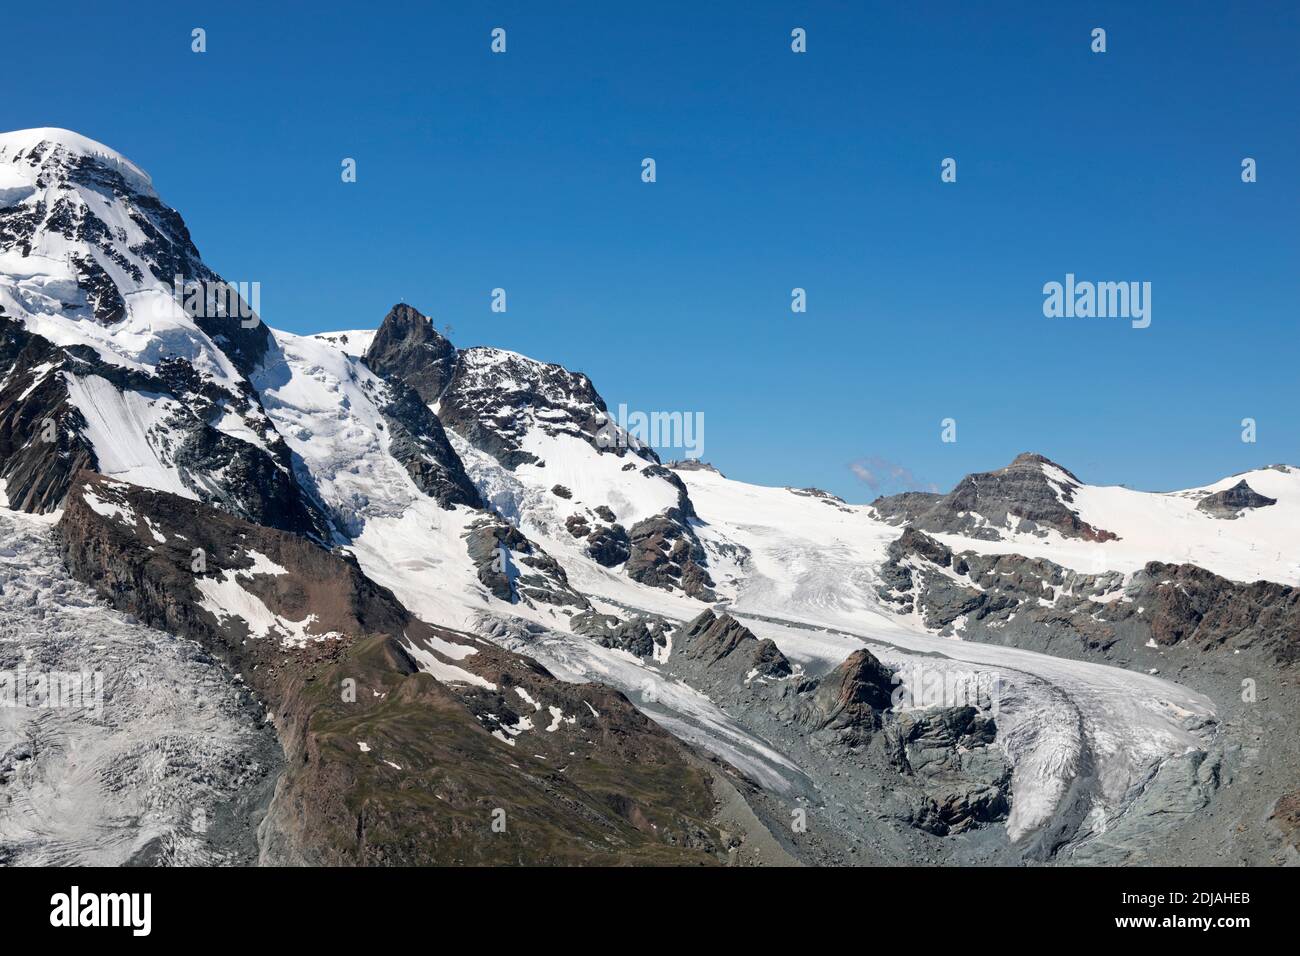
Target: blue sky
x: 775, y: 170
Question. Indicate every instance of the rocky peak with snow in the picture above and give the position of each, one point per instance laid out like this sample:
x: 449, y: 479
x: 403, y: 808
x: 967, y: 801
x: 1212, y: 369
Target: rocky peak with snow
x: 1232, y: 502
x: 84, y: 236
x: 1032, y: 494
x: 407, y: 346
x: 492, y: 397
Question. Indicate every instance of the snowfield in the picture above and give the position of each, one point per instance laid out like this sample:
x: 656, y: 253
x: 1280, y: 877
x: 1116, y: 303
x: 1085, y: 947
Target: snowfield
x: 1153, y: 526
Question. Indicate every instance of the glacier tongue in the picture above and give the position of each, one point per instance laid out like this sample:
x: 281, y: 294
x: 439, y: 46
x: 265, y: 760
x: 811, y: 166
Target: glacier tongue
x: 173, y: 767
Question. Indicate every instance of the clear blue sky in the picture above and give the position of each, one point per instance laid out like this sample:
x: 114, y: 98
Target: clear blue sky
x: 775, y: 170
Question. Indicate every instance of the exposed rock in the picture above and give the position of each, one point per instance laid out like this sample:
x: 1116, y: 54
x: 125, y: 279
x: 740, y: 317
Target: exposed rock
x: 710, y: 640
x: 1032, y: 488
x: 34, y: 405
x: 949, y: 750
x: 406, y: 769
x: 692, y: 464
x: 561, y: 492
x: 1039, y: 605
x: 639, y: 636
x: 418, y: 442
x: 1189, y: 605
x: 1286, y: 817
x: 407, y: 347
x: 515, y: 569
x: 664, y: 554
x: 937, y: 770
x: 1233, y: 502
x: 852, y: 696
x: 239, y: 477
x: 609, y: 545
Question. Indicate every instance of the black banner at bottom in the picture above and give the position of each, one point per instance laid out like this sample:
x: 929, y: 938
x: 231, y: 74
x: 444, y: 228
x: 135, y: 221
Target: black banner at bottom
x: 931, y: 905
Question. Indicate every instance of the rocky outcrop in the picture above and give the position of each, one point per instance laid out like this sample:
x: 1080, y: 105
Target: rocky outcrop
x: 105, y: 263
x: 1039, y: 605
x: 966, y: 779
x: 692, y: 464
x: 642, y: 635
x: 490, y: 397
x: 937, y: 769
x: 1036, y: 491
x: 409, y: 348
x: 43, y: 443
x: 728, y: 651
x: 1233, y: 502
x: 852, y: 696
x: 609, y: 545
x: 515, y: 569
x: 1192, y: 606
x: 664, y: 553
x: 417, y: 440
x: 404, y: 743
x: 494, y: 399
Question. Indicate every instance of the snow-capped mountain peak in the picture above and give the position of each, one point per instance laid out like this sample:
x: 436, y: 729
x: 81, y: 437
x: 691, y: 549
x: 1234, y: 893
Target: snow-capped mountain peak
x: 28, y: 152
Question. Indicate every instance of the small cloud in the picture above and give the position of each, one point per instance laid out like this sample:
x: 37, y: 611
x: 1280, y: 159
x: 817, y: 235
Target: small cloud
x: 880, y: 474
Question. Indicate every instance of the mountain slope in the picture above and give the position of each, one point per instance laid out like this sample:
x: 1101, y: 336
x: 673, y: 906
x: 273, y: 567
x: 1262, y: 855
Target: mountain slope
x: 466, y: 534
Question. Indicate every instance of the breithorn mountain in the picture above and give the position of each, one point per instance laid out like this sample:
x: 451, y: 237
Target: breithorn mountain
x: 417, y: 583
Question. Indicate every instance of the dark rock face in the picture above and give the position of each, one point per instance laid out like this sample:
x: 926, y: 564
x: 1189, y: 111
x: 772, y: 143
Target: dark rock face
x: 167, y: 249
x: 408, y: 347
x: 34, y: 407
x: 440, y: 753
x: 712, y: 641
x: 950, y: 750
x: 609, y: 545
x: 1039, y: 605
x: 1231, y: 502
x: 664, y: 554
x: 489, y: 397
x: 493, y: 399
x: 937, y: 769
x: 1196, y: 607
x: 1023, y: 490
x: 852, y: 696
x: 515, y: 569
x: 418, y: 441
x: 256, y: 483
x: 105, y: 301
x: 639, y: 636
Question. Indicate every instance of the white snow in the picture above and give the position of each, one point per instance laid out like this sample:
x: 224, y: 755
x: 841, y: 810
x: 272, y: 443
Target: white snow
x: 811, y: 564
x: 1166, y: 526
x: 173, y: 737
x: 431, y: 663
